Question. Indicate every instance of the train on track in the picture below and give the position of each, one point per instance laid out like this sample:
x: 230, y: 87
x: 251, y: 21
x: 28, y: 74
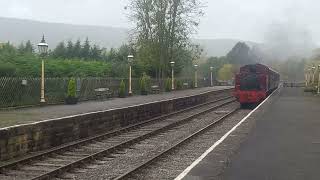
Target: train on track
x: 254, y: 83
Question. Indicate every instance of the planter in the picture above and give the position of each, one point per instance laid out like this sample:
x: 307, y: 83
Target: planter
x: 122, y: 96
x: 71, y: 100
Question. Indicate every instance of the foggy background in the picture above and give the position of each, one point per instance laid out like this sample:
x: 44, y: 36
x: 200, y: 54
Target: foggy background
x: 286, y: 27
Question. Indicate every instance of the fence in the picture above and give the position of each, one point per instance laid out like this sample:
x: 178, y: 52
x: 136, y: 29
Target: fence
x: 26, y: 91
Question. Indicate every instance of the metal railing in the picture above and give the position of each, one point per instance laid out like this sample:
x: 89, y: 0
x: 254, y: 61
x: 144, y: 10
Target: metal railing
x: 16, y: 92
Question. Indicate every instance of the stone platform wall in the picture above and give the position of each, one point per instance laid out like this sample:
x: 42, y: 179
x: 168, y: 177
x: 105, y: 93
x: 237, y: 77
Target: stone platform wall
x: 19, y: 140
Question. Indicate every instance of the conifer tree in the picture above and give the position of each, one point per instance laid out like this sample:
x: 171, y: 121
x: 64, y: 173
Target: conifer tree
x: 70, y: 49
x: 60, y: 51
x: 29, y: 47
x: 21, y: 48
x: 95, y: 52
x: 77, y: 49
x: 85, y: 51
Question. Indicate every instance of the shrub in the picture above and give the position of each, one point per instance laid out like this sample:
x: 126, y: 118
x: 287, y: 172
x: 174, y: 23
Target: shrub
x: 179, y: 85
x: 168, y: 85
x: 122, y: 88
x: 7, y: 70
x: 144, y: 83
x: 72, y: 88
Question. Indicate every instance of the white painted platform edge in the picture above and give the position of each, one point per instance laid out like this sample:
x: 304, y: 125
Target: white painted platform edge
x: 217, y: 143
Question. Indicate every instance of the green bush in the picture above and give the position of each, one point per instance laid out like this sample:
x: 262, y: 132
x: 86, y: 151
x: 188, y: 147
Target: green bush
x: 7, y: 70
x: 179, y: 84
x: 72, y: 88
x: 122, y: 88
x: 168, y: 85
x: 144, y: 84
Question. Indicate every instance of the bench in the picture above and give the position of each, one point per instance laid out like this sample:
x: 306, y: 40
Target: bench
x: 185, y: 85
x: 155, y: 89
x: 102, y: 93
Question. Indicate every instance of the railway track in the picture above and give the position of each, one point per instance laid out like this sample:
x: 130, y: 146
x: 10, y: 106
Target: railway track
x: 108, y: 146
x: 145, y: 164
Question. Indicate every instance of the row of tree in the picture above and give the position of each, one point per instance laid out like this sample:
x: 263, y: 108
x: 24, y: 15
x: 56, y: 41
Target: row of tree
x: 161, y: 35
x: 84, y: 51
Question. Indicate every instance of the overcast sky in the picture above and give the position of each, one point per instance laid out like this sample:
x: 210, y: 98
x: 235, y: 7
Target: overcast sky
x: 236, y: 19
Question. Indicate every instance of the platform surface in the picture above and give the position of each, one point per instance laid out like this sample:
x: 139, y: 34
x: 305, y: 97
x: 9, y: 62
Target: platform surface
x: 284, y: 144
x: 34, y: 114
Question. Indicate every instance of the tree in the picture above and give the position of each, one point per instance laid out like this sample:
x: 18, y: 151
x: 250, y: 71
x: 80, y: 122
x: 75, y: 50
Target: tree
x: 240, y: 55
x: 95, y: 52
x: 29, y: 47
x: 60, y: 51
x: 215, y: 62
x: 77, y: 49
x: 21, y: 48
x: 163, y: 30
x: 85, y: 51
x: 226, y: 72
x: 69, y: 52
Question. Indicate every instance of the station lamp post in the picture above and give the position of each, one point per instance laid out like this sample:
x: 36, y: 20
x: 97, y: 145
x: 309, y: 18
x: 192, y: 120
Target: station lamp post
x: 172, y: 74
x: 43, y: 48
x: 196, y: 75
x: 309, y: 76
x: 306, y: 77
x: 211, y: 76
x: 313, y: 74
x: 318, y: 79
x: 130, y: 60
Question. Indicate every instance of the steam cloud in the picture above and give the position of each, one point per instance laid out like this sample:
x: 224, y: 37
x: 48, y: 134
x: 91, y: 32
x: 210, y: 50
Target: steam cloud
x: 288, y: 40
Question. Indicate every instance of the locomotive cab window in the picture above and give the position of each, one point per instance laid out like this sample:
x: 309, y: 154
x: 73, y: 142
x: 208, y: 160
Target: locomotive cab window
x: 250, y: 81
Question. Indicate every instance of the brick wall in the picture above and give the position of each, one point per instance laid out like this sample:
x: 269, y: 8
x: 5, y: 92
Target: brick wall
x: 19, y: 140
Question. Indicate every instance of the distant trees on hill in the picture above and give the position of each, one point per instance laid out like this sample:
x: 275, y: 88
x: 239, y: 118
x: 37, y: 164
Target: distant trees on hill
x: 74, y: 59
x: 241, y: 54
x: 78, y: 50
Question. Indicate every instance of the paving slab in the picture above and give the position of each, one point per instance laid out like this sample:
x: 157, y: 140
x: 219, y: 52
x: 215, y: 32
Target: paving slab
x: 34, y: 114
x: 284, y: 144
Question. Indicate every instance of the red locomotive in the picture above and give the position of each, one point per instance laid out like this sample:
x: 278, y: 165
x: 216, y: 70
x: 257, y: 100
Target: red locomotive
x: 254, y: 83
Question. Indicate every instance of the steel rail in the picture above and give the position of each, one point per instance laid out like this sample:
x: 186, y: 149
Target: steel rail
x: 185, y: 140
x: 122, y: 145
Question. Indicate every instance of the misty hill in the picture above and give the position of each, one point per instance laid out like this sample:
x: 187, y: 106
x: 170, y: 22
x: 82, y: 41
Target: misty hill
x: 20, y: 30
x: 220, y: 47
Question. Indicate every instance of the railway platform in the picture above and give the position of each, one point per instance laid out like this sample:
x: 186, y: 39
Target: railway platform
x: 34, y: 114
x: 283, y: 144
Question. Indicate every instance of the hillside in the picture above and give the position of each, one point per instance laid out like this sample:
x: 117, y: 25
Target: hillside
x: 219, y: 47
x: 19, y: 30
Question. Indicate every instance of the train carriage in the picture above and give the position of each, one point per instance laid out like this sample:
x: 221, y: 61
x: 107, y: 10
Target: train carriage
x: 254, y: 83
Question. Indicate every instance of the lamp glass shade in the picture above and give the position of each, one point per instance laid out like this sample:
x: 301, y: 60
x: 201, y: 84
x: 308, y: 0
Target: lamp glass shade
x: 43, y: 46
x: 130, y: 58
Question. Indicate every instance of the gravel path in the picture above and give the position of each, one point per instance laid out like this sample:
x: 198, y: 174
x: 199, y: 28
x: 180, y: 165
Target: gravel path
x: 29, y: 115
